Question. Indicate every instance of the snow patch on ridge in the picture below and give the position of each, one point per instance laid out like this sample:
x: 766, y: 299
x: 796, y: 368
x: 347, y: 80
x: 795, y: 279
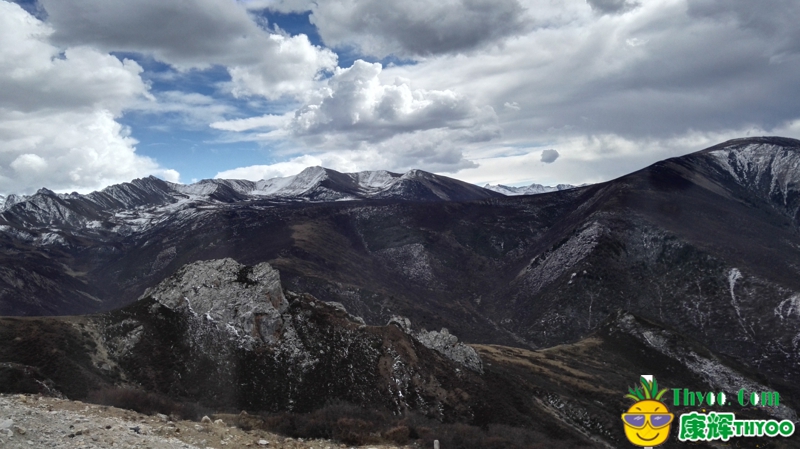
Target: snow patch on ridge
x: 533, y: 189
x: 374, y: 180
x: 548, y: 266
x: 734, y: 275
x: 788, y: 307
x: 769, y: 169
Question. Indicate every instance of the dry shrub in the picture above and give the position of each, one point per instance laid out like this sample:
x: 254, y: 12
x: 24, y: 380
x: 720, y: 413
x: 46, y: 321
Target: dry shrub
x: 354, y: 431
x: 354, y: 425
x: 143, y: 402
x: 248, y: 422
x: 422, y: 433
x: 398, y: 435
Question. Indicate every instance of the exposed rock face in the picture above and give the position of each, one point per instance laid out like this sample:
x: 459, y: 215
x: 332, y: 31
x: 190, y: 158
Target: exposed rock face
x: 704, y: 365
x: 443, y: 342
x: 402, y: 322
x: 448, y: 344
x: 235, y: 338
x: 247, y: 301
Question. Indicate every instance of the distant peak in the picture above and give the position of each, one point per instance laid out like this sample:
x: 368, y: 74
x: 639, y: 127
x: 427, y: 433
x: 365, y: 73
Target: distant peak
x: 735, y: 144
x: 315, y: 170
x: 417, y: 173
x: 45, y: 191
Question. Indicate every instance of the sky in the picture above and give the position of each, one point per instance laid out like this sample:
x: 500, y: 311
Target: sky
x: 98, y: 92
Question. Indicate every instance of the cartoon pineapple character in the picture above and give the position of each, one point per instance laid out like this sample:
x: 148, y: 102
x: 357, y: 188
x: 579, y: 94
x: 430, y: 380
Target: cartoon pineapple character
x: 647, y: 422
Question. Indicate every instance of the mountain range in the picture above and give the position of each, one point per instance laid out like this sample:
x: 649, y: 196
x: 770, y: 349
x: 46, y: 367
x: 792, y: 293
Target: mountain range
x: 533, y: 189
x: 688, y: 267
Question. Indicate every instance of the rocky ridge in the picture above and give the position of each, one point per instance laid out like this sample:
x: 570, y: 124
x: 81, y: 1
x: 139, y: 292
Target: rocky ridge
x: 127, y: 207
x: 227, y: 335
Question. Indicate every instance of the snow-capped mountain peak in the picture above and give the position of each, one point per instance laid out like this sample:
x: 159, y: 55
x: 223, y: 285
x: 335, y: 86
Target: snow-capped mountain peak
x: 533, y: 189
x: 767, y: 166
x: 291, y: 186
x: 375, y: 180
x: 146, y: 202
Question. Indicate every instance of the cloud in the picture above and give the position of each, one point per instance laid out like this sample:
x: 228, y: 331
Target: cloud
x: 429, y: 150
x: 69, y: 151
x: 357, y: 103
x: 373, y: 122
x: 610, y: 85
x: 29, y: 164
x: 197, y: 34
x: 612, y: 6
x: 246, y: 124
x: 582, y: 77
x: 288, y: 66
x: 549, y: 156
x: 277, y: 170
x: 414, y: 28
x: 58, y: 109
x: 36, y: 75
x: 187, y: 110
x: 411, y: 28
x: 776, y: 25
x: 284, y: 6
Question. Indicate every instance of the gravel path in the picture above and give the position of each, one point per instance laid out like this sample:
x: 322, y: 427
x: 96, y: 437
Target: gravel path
x: 32, y: 421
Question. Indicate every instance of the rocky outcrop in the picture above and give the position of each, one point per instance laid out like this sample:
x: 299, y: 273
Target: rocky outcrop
x: 228, y: 336
x: 245, y: 301
x: 443, y: 342
x: 448, y: 344
x: 402, y: 322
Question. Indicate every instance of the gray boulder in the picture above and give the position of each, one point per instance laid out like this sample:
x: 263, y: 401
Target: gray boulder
x: 443, y: 342
x: 245, y: 301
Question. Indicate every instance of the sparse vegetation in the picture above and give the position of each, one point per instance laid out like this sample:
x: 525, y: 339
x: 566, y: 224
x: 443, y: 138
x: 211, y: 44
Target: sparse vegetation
x: 354, y: 425
x: 144, y: 402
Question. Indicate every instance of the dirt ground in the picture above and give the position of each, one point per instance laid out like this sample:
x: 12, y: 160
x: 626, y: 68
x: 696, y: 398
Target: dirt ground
x: 33, y: 421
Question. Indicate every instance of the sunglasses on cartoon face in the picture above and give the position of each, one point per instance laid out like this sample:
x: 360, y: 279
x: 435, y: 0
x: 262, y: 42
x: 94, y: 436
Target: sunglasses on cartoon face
x: 638, y: 420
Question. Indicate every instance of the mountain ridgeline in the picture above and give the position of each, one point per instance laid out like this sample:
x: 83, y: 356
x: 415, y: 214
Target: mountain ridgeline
x: 691, y: 265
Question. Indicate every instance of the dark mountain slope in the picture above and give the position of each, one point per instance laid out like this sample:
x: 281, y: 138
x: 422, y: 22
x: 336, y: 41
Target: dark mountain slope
x: 707, y: 244
x: 226, y: 336
x: 583, y: 383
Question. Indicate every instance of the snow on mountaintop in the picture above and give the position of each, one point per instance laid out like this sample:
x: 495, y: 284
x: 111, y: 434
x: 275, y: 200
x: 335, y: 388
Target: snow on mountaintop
x: 290, y: 186
x: 533, y: 189
x: 379, y: 179
x: 767, y: 166
x: 147, y: 202
x: 756, y: 163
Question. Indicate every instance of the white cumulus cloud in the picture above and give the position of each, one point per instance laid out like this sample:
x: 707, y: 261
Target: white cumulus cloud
x: 196, y: 34
x: 373, y: 122
x: 58, y: 109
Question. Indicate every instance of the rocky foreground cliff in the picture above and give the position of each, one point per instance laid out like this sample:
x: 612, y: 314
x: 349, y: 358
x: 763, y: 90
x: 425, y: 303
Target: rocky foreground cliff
x: 228, y: 336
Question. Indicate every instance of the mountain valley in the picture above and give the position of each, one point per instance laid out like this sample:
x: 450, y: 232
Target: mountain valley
x: 688, y: 267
